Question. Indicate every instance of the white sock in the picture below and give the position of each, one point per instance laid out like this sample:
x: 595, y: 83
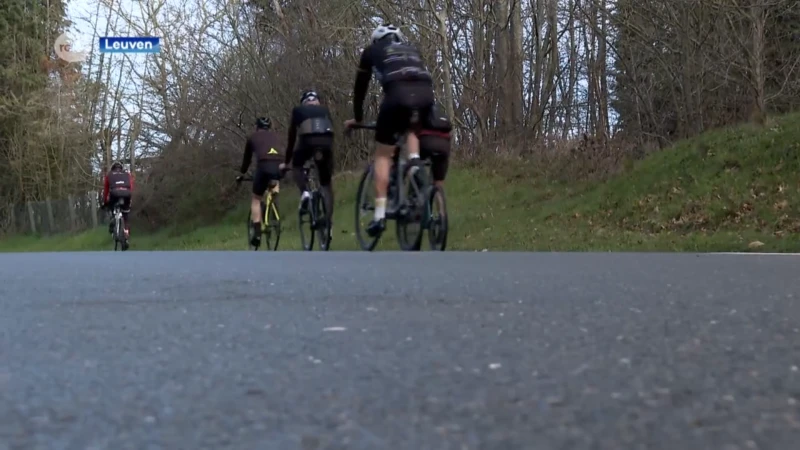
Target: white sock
x: 380, y: 208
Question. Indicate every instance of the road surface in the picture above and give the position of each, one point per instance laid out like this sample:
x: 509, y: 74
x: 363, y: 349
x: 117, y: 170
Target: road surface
x: 245, y: 350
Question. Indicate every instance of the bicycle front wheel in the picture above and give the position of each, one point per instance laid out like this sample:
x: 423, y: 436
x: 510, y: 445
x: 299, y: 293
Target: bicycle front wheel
x: 323, y: 224
x: 436, y: 219
x: 365, y: 207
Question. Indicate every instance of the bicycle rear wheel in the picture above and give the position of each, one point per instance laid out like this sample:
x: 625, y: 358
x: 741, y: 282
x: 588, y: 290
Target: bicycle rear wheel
x: 410, y: 225
x: 273, y: 225
x: 120, y: 242
x: 117, y: 243
x: 305, y: 222
x: 323, y: 224
x: 365, y: 206
x: 436, y: 219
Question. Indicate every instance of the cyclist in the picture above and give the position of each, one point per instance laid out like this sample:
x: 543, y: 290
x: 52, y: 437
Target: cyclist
x: 312, y: 124
x: 407, y: 86
x: 118, y: 184
x: 264, y: 144
x: 434, y: 143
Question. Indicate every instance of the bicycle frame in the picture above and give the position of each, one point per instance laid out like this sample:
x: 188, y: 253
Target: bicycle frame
x: 118, y: 220
x: 313, y: 187
x: 268, y: 200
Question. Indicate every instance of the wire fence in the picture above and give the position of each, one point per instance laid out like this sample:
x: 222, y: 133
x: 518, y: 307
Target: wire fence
x: 75, y: 213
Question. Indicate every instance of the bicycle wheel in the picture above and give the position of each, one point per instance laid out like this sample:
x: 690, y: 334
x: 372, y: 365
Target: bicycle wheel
x: 305, y: 221
x: 409, y: 225
x: 323, y: 224
x: 273, y: 225
x: 364, y: 206
x: 249, y: 233
x: 436, y: 222
x: 117, y: 243
x: 122, y: 237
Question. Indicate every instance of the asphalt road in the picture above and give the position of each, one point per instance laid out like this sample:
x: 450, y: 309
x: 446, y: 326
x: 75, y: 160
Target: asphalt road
x: 245, y: 350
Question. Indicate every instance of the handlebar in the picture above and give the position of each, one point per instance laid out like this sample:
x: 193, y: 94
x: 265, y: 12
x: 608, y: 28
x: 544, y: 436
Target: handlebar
x: 283, y: 173
x: 364, y: 126
x: 360, y: 126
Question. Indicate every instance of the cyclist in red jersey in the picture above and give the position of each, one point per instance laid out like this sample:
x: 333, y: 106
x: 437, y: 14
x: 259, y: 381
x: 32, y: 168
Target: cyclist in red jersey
x: 118, y: 184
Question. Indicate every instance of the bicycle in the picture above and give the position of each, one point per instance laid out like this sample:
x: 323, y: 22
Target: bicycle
x: 119, y: 235
x: 270, y: 220
x: 409, y: 206
x: 315, y: 214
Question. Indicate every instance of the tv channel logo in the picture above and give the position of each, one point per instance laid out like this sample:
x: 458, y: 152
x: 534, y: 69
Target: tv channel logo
x: 64, y: 50
x: 121, y: 44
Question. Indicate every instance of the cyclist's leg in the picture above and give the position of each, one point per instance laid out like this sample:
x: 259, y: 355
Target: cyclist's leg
x: 298, y: 160
x: 325, y: 171
x: 111, y: 201
x: 440, y: 162
x: 273, y: 174
x: 386, y: 128
x: 126, y: 210
x: 260, y: 181
x: 420, y: 98
x: 437, y: 149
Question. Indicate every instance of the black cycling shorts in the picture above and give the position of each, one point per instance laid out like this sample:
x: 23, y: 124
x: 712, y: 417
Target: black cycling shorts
x: 117, y: 194
x: 399, y: 102
x: 437, y: 149
x: 267, y: 173
x: 320, y: 147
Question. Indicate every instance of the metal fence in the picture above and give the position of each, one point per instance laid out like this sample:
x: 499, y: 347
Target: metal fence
x: 76, y: 213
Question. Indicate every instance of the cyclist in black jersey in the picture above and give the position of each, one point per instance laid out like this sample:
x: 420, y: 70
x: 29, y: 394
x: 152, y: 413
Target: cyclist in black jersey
x: 434, y: 143
x: 311, y: 132
x: 407, y: 87
x: 264, y: 144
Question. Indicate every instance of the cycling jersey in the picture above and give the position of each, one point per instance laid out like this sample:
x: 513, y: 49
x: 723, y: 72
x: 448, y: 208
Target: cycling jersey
x: 265, y: 145
x: 118, y: 183
x: 307, y: 120
x: 392, y: 63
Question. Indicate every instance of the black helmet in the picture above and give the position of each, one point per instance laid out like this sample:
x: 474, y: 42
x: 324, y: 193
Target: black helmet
x: 309, y: 96
x: 117, y: 165
x: 264, y: 123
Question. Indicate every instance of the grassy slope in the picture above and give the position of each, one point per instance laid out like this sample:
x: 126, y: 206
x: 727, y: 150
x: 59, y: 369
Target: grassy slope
x: 718, y: 192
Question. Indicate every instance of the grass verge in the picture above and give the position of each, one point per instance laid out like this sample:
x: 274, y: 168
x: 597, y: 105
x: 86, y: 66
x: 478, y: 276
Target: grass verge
x: 735, y: 189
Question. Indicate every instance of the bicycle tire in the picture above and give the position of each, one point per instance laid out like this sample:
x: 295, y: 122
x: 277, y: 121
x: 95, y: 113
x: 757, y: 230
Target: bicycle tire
x: 273, y: 225
x: 416, y: 198
x: 117, y: 234
x: 305, y: 217
x: 437, y: 235
x: 321, y: 215
x: 367, y: 243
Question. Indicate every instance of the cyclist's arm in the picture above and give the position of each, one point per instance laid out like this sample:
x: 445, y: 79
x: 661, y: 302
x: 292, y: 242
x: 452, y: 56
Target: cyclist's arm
x: 105, y: 189
x: 248, y: 156
x: 362, y: 83
x: 292, y: 136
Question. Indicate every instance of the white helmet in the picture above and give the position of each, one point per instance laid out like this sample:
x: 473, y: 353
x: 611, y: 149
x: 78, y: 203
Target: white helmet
x: 385, y: 30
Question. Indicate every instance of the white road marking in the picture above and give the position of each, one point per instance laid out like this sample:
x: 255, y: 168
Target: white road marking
x: 335, y: 329
x: 753, y: 253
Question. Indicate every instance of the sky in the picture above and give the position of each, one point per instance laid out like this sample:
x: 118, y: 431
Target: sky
x: 79, y: 12
x: 83, y: 14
